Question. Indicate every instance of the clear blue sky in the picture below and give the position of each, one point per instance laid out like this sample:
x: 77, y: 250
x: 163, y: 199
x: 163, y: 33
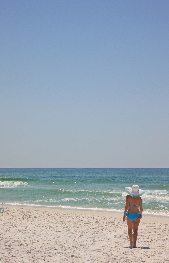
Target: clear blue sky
x: 84, y: 83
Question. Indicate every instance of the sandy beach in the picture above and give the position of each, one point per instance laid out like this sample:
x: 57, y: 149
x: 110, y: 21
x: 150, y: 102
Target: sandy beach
x: 38, y: 234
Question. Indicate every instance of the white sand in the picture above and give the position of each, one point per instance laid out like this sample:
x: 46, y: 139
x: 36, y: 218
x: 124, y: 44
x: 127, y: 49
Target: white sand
x: 30, y: 234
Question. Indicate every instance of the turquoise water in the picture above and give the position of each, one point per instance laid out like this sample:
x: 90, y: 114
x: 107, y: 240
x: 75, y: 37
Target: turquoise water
x: 85, y: 188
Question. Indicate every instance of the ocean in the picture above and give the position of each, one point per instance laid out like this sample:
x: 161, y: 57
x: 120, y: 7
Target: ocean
x: 96, y: 189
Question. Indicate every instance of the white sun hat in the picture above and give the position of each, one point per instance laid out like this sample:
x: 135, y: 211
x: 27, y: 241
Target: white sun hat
x: 134, y: 191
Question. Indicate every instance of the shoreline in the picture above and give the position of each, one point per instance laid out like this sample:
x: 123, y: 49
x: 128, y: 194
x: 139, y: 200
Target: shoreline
x: 101, y: 210
x: 42, y: 234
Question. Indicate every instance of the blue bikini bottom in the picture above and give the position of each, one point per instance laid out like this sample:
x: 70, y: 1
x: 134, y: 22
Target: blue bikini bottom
x: 133, y: 216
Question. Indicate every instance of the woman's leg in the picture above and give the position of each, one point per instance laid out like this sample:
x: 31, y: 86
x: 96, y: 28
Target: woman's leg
x: 135, y: 232
x: 130, y: 232
x: 130, y: 236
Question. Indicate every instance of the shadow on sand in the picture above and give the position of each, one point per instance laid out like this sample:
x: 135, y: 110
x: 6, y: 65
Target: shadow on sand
x: 138, y: 247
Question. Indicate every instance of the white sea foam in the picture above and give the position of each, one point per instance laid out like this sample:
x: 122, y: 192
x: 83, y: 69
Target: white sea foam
x: 70, y: 199
x: 90, y: 191
x: 154, y: 195
x: 12, y: 184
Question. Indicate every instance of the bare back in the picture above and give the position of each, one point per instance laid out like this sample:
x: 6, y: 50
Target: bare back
x: 133, y: 204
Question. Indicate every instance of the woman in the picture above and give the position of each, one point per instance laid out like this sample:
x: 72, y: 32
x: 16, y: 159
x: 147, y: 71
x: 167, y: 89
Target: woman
x: 133, y: 212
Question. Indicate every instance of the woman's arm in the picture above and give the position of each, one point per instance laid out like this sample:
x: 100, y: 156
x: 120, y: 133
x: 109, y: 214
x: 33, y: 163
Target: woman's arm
x: 126, y: 208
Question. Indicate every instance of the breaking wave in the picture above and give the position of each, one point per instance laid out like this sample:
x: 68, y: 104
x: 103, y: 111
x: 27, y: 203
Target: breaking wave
x: 12, y: 184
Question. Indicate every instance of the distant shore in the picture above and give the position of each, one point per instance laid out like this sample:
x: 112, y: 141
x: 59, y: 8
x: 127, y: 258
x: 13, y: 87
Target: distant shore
x: 40, y: 234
